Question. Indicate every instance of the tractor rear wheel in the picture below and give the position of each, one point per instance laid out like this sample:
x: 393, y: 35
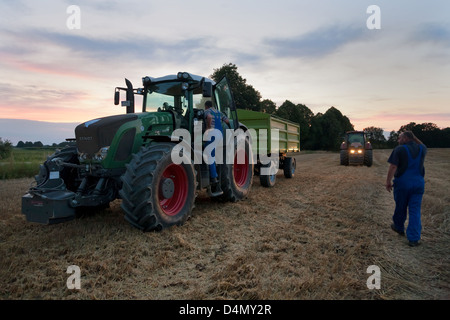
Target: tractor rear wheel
x: 289, y: 167
x: 237, y: 178
x: 157, y: 193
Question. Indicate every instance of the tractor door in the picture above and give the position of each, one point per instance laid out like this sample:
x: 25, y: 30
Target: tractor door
x: 225, y: 102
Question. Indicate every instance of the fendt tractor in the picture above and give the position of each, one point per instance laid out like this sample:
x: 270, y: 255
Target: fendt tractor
x: 128, y: 157
x: 356, y: 149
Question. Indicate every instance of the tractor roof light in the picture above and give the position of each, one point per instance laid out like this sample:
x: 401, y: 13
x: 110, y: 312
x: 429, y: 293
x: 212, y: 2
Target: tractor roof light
x: 184, y: 76
x: 146, y: 80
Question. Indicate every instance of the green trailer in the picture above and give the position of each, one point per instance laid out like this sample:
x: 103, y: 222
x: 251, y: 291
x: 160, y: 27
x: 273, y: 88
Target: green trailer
x: 274, y: 141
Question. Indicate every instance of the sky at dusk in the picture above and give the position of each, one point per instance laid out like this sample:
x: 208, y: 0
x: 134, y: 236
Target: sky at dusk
x: 318, y: 53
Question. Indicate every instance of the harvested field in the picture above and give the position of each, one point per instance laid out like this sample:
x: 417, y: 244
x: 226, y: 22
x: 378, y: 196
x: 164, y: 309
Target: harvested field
x: 311, y: 237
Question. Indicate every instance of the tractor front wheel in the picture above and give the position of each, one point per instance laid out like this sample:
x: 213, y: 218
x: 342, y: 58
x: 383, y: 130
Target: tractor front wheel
x: 157, y: 193
x: 344, y: 157
x: 368, y: 158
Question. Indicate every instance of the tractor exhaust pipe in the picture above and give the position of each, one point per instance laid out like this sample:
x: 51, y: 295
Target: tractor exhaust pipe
x: 130, y: 96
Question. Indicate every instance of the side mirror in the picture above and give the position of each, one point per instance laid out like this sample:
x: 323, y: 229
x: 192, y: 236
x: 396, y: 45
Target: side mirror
x: 116, y: 97
x: 207, y: 89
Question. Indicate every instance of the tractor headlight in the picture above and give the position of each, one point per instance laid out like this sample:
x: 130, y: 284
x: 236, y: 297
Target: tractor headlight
x: 82, y: 157
x: 359, y: 151
x: 101, y: 154
x: 352, y: 151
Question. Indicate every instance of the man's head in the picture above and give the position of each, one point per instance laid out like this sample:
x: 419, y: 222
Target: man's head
x: 208, y: 104
x: 406, y: 137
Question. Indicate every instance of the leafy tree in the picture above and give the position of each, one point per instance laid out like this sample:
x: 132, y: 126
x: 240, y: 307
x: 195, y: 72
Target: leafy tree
x: 429, y: 133
x: 268, y: 106
x: 327, y: 130
x: 300, y: 114
x: 392, y: 140
x: 38, y: 144
x: 5, y: 148
x: 20, y: 144
x: 376, y: 137
x: 245, y: 96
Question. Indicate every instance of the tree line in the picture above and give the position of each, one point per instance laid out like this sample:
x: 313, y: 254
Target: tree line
x: 323, y: 131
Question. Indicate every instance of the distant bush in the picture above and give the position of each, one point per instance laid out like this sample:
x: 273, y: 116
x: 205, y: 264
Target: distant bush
x: 5, y: 149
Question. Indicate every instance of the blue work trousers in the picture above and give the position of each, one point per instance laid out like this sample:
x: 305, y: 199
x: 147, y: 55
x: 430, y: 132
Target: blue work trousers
x: 408, y: 195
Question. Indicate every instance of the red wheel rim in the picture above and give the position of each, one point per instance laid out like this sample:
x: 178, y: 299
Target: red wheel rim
x: 173, y: 205
x: 240, y: 170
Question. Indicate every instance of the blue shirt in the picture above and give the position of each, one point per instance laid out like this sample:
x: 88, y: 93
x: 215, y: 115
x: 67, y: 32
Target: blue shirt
x: 212, y: 111
x: 399, y: 157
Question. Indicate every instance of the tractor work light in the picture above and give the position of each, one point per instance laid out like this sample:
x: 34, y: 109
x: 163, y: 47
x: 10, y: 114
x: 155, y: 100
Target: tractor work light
x: 146, y: 80
x: 82, y: 157
x: 183, y: 75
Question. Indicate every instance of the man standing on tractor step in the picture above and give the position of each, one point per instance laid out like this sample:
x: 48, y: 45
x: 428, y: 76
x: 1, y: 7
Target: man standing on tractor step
x: 407, y: 169
x: 214, y: 120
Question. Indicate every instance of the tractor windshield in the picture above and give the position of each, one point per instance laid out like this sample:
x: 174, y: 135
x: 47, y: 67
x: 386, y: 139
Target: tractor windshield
x: 170, y: 96
x: 356, y: 138
x: 165, y: 96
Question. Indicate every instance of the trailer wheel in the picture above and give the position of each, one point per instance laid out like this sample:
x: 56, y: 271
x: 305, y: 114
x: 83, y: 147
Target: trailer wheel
x: 237, y: 178
x: 289, y: 167
x: 157, y: 193
x: 267, y: 180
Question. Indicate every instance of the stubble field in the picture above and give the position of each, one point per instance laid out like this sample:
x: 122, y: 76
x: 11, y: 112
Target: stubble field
x: 311, y: 237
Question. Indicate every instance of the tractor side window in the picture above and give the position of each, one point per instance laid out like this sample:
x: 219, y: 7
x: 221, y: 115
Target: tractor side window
x: 199, y: 101
x: 223, y: 98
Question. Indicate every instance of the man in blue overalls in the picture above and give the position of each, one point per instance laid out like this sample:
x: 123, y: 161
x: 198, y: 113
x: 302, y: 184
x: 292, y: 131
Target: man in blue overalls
x: 214, y: 120
x: 406, y: 167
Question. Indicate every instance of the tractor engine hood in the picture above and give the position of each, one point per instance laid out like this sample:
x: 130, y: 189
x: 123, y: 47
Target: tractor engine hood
x: 356, y: 145
x: 95, y: 134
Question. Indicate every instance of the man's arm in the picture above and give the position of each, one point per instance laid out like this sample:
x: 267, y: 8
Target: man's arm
x: 390, y: 175
x: 208, y: 121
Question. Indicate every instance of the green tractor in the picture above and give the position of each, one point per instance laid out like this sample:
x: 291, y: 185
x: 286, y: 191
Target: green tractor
x: 131, y: 157
x: 356, y: 149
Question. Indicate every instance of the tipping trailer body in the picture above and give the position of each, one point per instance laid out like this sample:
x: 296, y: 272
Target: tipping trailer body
x: 288, y: 132
x: 274, y: 137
